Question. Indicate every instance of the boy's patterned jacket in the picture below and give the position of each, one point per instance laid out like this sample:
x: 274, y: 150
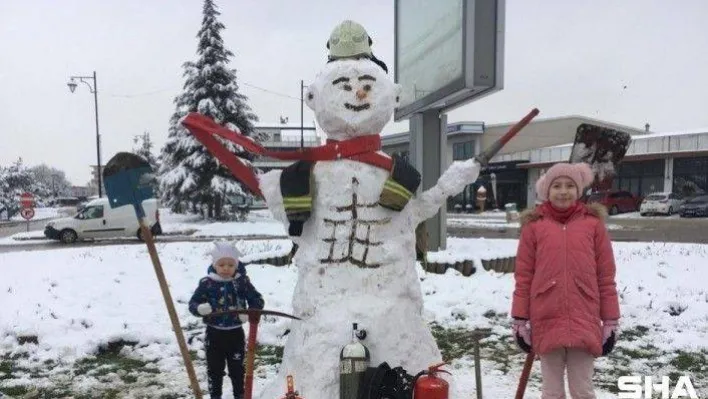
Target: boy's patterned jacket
x: 225, y: 294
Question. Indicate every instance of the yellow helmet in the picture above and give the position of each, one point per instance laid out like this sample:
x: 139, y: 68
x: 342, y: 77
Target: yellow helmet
x: 349, y: 40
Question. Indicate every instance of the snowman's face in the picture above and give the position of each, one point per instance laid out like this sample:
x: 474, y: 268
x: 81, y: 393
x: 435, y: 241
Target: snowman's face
x: 352, y: 98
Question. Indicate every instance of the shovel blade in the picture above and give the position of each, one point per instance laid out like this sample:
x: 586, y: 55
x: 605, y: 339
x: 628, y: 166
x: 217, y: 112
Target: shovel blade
x: 602, y: 148
x: 129, y: 180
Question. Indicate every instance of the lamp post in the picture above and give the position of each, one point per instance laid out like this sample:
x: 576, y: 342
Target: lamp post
x: 93, y: 89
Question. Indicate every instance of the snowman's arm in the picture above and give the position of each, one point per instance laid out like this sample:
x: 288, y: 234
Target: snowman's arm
x: 452, y: 182
x: 270, y: 187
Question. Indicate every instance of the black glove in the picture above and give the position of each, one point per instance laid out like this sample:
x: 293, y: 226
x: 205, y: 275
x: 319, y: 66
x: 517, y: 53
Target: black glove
x: 608, y: 345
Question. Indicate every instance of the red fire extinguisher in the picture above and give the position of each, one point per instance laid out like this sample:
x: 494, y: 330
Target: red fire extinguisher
x: 429, y: 386
x: 292, y: 393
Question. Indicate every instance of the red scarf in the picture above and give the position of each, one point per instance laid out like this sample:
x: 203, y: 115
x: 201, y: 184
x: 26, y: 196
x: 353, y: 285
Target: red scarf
x: 362, y: 149
x: 561, y: 215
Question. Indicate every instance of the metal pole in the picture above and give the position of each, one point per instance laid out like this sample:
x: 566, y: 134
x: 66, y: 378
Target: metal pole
x: 98, y: 136
x: 477, y: 368
x: 302, y: 113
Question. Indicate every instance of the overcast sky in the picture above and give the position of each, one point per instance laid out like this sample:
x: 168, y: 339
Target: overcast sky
x: 629, y: 62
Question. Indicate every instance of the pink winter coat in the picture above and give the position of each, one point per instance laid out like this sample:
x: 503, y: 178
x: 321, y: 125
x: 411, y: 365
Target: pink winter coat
x: 565, y: 280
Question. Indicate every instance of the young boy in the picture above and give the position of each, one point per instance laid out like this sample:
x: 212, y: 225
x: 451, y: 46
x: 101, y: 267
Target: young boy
x: 226, y: 287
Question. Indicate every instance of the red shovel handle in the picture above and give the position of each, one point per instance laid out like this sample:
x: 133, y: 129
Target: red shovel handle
x: 250, y: 354
x: 524, y: 379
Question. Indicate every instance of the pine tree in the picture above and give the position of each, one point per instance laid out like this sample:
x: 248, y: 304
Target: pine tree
x: 189, y: 174
x: 15, y: 180
x: 144, y: 148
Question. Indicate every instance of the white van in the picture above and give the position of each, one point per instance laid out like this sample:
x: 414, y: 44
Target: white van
x: 97, y: 220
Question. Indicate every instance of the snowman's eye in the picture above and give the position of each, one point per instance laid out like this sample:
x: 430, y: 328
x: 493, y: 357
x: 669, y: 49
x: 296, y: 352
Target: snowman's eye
x: 347, y: 87
x: 367, y: 87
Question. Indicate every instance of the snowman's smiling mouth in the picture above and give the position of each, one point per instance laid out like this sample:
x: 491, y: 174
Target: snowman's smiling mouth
x: 357, y: 108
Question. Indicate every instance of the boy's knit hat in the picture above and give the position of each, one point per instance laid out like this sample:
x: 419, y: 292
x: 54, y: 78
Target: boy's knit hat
x: 580, y: 173
x: 224, y: 250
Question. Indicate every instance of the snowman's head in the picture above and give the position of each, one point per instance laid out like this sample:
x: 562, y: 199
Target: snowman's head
x: 351, y: 98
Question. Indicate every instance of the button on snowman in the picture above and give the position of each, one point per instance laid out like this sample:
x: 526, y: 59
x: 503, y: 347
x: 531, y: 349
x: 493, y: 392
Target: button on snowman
x: 354, y: 222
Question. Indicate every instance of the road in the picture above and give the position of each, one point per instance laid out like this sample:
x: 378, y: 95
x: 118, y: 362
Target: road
x: 672, y: 229
x: 9, y: 228
x: 42, y: 245
x: 658, y: 229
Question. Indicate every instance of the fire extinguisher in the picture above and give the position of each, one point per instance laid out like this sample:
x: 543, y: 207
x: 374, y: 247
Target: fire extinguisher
x: 353, y: 362
x: 429, y: 386
x: 291, y: 393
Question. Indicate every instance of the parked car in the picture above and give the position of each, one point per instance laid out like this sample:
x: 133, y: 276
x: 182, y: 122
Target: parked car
x: 697, y: 206
x: 663, y: 203
x: 98, y: 220
x: 615, y: 201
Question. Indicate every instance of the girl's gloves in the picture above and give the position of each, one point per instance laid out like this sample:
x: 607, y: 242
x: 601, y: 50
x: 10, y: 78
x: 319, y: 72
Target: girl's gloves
x: 522, y: 333
x: 609, y: 335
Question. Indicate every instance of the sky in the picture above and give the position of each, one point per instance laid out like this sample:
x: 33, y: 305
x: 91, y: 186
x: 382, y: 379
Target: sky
x: 630, y: 62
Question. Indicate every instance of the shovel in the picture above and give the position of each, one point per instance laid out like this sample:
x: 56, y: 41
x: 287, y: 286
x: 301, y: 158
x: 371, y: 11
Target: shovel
x: 524, y: 378
x: 128, y: 179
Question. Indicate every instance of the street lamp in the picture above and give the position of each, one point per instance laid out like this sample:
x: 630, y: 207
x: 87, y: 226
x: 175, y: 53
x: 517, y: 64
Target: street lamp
x: 93, y: 89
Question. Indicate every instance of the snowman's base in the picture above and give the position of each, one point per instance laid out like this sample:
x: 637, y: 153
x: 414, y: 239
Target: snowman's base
x: 406, y: 379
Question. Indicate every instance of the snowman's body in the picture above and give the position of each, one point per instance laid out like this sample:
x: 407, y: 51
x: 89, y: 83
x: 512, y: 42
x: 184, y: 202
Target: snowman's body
x: 356, y: 259
x: 356, y: 263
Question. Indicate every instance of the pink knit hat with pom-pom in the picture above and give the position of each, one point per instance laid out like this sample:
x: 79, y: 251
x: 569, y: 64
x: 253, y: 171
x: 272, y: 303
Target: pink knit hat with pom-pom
x: 580, y: 173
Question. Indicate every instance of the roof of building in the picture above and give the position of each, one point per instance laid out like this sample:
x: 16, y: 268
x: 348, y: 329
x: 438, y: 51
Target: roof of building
x: 399, y: 137
x: 687, y: 141
x: 617, y: 126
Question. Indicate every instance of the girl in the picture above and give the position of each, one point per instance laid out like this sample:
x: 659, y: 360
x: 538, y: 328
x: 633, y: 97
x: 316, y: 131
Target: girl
x: 565, y: 304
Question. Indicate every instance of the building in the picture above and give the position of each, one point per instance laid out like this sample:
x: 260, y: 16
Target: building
x: 505, y: 178
x: 283, y: 137
x: 660, y: 162
x: 81, y: 191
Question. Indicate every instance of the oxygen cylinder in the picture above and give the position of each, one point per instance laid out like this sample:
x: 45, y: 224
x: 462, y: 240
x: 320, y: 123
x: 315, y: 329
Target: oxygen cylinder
x: 353, y: 361
x: 429, y: 386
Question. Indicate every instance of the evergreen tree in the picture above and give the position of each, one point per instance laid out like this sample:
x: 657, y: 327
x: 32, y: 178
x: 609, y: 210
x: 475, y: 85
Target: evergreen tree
x: 144, y: 149
x: 189, y: 174
x: 15, y: 180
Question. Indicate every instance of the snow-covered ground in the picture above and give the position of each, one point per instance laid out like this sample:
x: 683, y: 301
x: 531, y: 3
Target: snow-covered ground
x: 60, y: 307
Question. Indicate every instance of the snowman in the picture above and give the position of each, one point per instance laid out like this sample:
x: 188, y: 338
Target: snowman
x: 353, y: 216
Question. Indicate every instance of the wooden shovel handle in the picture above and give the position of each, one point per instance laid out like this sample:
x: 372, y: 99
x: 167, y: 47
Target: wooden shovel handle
x: 176, y: 327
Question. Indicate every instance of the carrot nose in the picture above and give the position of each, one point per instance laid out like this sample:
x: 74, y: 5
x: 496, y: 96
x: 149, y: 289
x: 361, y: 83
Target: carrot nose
x: 360, y: 94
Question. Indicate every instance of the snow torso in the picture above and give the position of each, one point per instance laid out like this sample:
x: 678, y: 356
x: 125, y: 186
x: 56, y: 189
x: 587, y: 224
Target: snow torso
x: 356, y: 264
x: 352, y: 236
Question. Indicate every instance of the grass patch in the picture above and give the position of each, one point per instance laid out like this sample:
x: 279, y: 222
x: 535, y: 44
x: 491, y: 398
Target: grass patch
x: 636, y: 332
x: 454, y: 343
x: 692, y: 362
x: 268, y: 355
x: 18, y: 390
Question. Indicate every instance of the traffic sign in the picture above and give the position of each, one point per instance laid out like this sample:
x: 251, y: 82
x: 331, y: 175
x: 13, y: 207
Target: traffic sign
x: 27, y: 200
x: 27, y: 213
